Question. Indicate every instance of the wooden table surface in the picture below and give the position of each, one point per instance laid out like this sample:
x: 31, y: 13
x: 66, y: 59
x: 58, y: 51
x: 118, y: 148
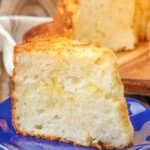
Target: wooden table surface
x: 32, y: 8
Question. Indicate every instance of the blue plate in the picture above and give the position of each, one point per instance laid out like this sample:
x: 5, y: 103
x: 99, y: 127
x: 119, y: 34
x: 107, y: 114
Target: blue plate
x: 139, y: 115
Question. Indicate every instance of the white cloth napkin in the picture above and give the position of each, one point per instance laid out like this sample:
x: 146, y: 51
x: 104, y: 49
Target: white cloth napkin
x: 12, y: 29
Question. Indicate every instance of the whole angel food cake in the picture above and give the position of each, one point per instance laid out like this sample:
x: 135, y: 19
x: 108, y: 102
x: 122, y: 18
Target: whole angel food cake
x: 117, y: 24
x: 69, y: 91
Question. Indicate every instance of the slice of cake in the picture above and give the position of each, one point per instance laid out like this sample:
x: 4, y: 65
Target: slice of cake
x: 69, y: 91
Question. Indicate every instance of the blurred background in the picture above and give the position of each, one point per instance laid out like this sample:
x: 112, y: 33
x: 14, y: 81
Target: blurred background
x: 28, y: 7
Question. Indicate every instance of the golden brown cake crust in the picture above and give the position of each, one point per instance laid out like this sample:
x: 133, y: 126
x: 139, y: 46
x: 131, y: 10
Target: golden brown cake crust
x: 33, y: 44
x: 40, y: 29
x: 65, y: 13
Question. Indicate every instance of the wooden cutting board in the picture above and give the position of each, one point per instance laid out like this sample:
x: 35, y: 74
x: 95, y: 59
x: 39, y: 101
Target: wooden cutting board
x: 134, y: 67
